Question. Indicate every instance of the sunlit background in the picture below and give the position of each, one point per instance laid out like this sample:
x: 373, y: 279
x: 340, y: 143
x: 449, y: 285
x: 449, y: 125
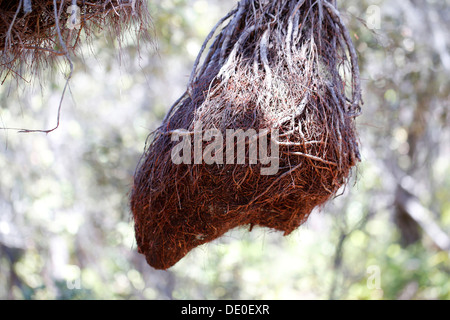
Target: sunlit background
x: 65, y: 227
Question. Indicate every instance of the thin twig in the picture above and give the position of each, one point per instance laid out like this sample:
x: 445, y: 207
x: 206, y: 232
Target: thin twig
x: 208, y: 38
x: 62, y: 43
x: 334, y: 13
x: 8, y: 34
x: 230, y: 29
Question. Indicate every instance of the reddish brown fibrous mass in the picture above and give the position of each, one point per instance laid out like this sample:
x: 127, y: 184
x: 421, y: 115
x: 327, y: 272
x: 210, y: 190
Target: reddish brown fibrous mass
x: 252, y: 80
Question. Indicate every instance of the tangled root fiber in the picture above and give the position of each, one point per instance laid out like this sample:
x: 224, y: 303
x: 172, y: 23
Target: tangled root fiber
x: 281, y: 65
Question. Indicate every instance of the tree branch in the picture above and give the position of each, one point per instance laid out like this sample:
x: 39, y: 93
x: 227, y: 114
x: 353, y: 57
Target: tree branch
x: 422, y: 216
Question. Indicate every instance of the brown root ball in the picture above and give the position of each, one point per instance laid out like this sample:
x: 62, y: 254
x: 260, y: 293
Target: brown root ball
x: 291, y: 103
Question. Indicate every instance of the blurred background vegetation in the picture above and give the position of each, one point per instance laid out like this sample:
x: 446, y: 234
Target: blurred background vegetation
x: 65, y: 227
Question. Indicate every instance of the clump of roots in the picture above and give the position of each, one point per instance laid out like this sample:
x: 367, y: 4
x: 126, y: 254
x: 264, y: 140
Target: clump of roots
x: 34, y: 33
x: 281, y: 65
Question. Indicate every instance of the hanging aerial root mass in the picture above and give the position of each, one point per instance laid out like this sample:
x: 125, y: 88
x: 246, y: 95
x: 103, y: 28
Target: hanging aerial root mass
x: 281, y: 70
x: 35, y: 33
